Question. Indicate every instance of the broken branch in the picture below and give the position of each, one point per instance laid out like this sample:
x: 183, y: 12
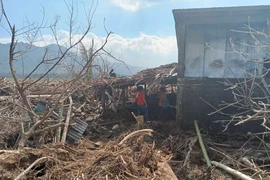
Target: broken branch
x: 136, y: 133
x: 232, y: 171
x: 64, y: 135
x: 40, y: 160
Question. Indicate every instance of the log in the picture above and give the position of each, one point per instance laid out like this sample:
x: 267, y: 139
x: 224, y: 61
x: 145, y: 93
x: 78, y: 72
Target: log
x: 60, y: 119
x: 166, y: 171
x: 64, y: 134
x: 232, y: 171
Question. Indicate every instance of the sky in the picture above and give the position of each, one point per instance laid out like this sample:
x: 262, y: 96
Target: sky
x: 143, y: 30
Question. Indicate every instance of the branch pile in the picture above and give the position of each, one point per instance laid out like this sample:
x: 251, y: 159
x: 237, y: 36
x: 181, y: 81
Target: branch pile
x: 131, y: 159
x: 148, y: 76
x: 46, y: 104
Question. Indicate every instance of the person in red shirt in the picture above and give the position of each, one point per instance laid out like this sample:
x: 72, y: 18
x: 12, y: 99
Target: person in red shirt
x: 141, y: 103
x: 163, y: 102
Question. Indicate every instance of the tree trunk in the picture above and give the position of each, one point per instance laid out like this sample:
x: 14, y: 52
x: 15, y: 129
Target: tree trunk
x: 23, y: 140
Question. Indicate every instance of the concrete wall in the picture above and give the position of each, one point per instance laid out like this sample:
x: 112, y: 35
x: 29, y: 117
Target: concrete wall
x: 209, y: 50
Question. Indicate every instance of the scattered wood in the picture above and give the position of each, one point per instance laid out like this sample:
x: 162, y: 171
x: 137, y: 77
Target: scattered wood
x: 227, y: 156
x: 208, y: 162
x: 29, y: 96
x: 247, y: 162
x: 136, y: 133
x: 191, y: 144
x: 38, y: 161
x: 64, y: 135
x: 231, y: 171
x: 60, y: 119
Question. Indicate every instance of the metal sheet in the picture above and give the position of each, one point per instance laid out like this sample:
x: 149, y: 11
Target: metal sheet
x: 215, y: 46
x: 250, y: 55
x: 194, y: 51
x: 76, y: 131
x: 236, y: 50
x: 257, y: 52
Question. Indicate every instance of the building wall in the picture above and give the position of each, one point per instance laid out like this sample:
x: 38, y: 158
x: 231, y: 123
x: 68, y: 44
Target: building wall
x: 206, y: 56
x: 209, y: 50
x: 209, y: 57
x: 203, y: 96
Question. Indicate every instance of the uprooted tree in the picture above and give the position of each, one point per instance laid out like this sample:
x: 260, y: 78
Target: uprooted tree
x: 35, y: 123
x: 250, y: 85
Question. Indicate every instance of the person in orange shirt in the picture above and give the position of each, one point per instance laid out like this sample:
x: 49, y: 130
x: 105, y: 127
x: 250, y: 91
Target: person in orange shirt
x: 163, y: 102
x: 141, y: 103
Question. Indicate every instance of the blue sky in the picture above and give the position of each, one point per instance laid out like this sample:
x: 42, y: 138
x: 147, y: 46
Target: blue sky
x: 138, y: 25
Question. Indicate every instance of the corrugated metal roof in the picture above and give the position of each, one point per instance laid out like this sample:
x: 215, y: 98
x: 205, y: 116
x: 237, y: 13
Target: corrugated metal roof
x: 224, y: 7
x: 218, y: 15
x: 76, y: 131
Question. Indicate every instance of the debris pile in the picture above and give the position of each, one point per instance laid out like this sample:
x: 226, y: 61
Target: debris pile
x: 94, y: 147
x: 46, y: 98
x: 6, y: 87
x: 148, y: 76
x: 9, y: 114
x: 131, y: 158
x: 85, y: 106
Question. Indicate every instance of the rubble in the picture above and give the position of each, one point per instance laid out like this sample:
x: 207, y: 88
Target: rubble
x: 167, y: 153
x: 148, y: 76
x: 116, y: 148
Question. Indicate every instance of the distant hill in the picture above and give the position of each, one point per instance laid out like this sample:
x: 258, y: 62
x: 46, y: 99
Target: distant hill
x: 29, y: 60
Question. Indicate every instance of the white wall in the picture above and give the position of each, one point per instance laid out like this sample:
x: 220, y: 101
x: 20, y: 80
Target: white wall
x: 209, y: 51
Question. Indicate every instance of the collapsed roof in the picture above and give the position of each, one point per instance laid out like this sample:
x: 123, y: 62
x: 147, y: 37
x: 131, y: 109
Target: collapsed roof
x: 164, y: 74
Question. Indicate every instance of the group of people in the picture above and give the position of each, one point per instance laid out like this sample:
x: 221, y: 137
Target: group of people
x: 141, y: 103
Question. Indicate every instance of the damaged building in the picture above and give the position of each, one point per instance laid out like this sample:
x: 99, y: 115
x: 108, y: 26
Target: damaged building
x: 121, y: 90
x: 214, y: 44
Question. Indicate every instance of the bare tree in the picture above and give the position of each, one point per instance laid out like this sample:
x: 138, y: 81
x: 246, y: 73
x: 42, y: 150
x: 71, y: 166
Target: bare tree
x: 88, y: 58
x: 251, y: 91
x: 41, y: 123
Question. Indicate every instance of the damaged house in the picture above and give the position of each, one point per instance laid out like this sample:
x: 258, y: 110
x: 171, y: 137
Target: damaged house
x: 119, y: 92
x: 214, y: 45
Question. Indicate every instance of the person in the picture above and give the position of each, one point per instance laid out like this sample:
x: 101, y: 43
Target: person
x: 163, y: 102
x: 141, y: 103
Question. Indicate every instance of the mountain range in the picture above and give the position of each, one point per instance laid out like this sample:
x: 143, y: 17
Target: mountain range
x: 30, y: 57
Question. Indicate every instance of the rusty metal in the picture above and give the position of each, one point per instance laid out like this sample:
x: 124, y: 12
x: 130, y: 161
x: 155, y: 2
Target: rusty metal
x: 76, y: 130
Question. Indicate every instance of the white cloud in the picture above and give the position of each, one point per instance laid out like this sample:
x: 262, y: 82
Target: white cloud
x: 133, y: 5
x: 144, y: 50
x: 4, y: 40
